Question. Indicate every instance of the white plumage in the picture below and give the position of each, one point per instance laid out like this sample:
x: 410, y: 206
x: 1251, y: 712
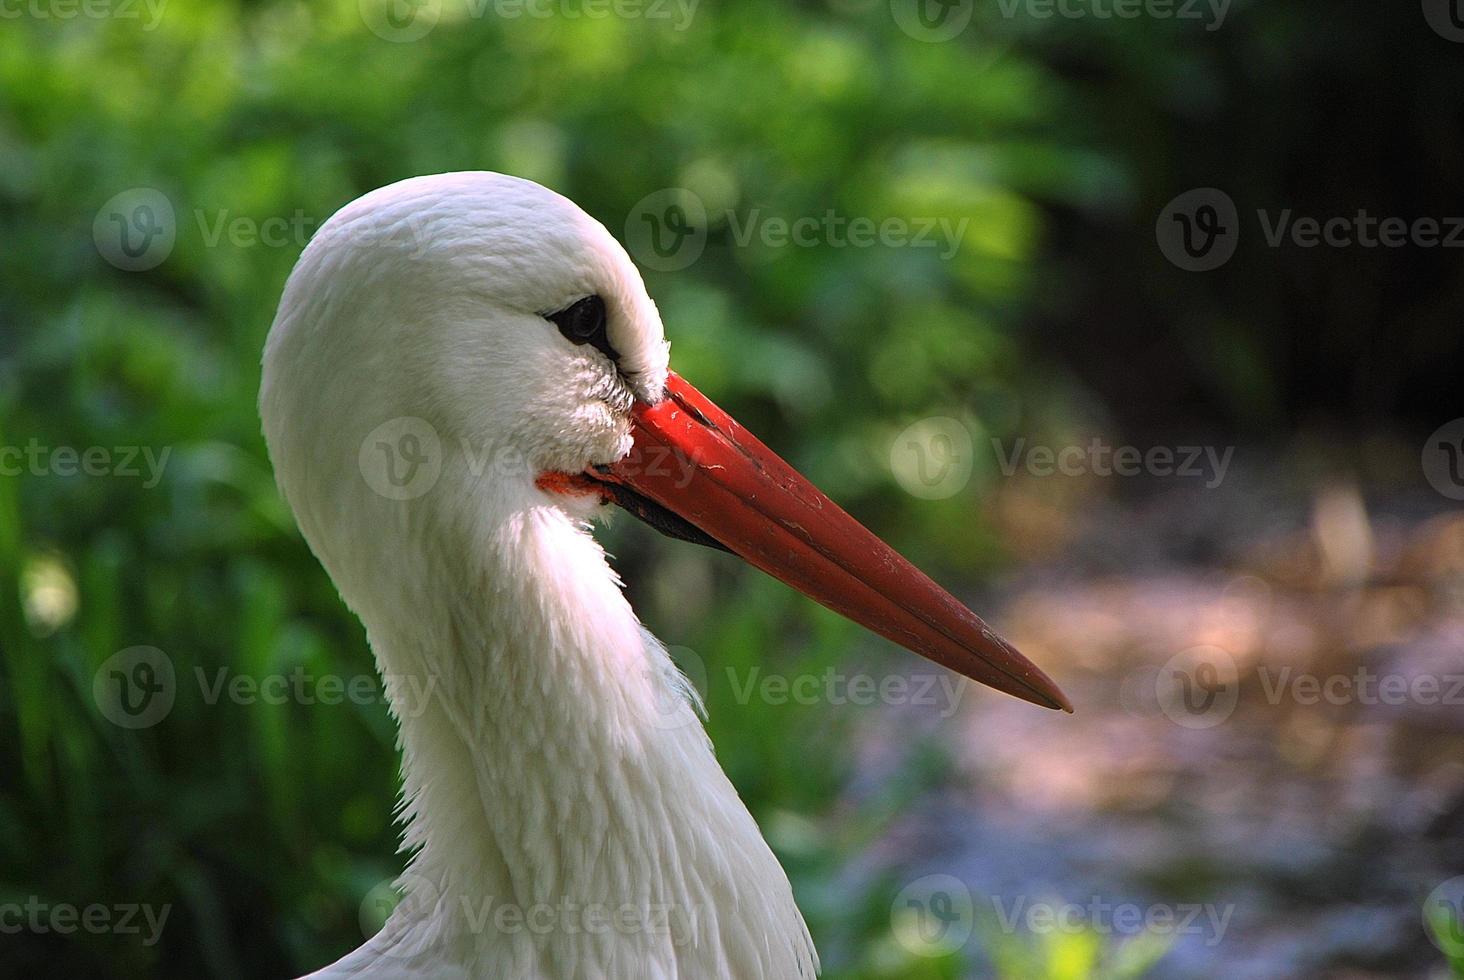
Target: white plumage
x: 564, y: 812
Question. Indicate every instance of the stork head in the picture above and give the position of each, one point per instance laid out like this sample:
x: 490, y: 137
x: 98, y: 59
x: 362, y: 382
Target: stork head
x: 487, y: 329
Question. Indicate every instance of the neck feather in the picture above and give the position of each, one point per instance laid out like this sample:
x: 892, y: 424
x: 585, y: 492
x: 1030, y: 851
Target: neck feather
x: 565, y: 811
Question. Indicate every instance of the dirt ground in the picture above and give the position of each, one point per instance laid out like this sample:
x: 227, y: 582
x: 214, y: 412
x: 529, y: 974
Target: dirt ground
x: 1269, y: 741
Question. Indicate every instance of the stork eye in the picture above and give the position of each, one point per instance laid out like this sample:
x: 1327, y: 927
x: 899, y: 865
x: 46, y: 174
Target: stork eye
x: 583, y: 322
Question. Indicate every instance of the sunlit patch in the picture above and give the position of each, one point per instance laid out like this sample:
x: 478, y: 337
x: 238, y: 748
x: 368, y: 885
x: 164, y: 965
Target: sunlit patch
x: 48, y: 594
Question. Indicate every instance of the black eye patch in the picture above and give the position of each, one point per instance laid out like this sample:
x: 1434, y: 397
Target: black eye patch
x: 583, y: 322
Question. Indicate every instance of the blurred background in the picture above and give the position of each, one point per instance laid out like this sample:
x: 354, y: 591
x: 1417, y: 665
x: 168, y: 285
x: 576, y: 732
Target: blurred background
x: 1045, y: 249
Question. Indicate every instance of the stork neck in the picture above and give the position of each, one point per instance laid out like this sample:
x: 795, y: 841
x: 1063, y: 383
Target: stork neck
x: 567, y: 815
x: 555, y: 772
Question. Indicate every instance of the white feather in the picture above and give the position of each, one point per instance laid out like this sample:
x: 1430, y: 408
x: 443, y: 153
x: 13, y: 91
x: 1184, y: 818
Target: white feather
x: 558, y: 771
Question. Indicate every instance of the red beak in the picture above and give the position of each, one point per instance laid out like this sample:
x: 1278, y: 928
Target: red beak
x: 693, y: 460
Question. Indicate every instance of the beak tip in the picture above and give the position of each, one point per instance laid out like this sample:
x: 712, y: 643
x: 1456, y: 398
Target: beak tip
x: 1023, y: 679
x: 1049, y: 695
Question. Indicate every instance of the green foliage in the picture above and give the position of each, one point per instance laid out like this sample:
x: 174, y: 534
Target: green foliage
x: 1084, y: 954
x: 264, y: 825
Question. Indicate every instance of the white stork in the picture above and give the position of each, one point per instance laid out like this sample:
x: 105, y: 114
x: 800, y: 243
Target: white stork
x: 564, y: 812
